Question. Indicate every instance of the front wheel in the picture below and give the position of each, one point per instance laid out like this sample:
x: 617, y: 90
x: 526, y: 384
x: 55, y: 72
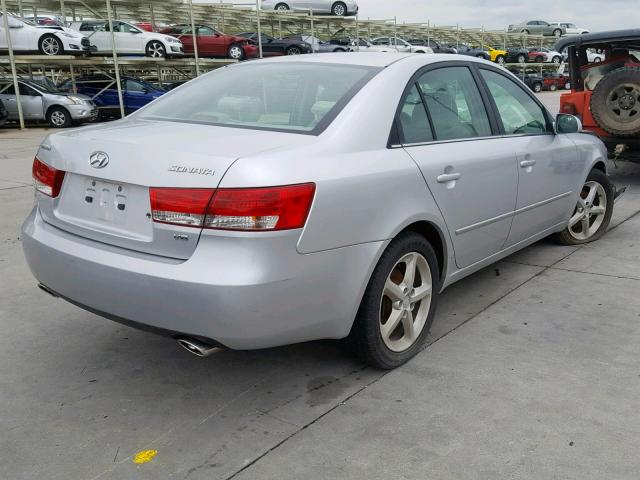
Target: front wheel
x: 500, y: 59
x: 155, y: 49
x: 537, y: 87
x: 235, y: 52
x: 553, y: 87
x: 293, y: 51
x: 339, y: 9
x: 399, y: 304
x: 557, y: 33
x: 556, y: 60
x: 58, y: 117
x: 50, y: 45
x: 592, y: 214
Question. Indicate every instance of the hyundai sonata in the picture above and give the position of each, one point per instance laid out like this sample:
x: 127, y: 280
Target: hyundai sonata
x: 293, y: 199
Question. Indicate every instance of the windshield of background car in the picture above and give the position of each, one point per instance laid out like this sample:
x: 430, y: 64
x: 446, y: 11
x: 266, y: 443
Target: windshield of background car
x: 289, y: 97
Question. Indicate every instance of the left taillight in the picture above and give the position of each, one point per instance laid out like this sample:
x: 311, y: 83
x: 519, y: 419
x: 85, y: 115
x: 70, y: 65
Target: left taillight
x: 46, y: 179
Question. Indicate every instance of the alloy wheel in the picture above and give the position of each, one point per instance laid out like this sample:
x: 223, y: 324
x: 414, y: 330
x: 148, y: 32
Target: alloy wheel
x: 155, y: 50
x: 405, y: 302
x: 624, y: 102
x: 50, y: 46
x: 294, y: 51
x: 589, y: 212
x: 339, y: 10
x: 235, y: 52
x: 58, y: 118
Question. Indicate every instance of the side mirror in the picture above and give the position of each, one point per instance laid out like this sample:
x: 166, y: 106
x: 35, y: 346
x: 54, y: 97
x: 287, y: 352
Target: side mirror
x: 567, y: 123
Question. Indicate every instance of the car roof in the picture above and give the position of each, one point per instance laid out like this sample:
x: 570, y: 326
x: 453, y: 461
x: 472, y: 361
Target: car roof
x: 599, y: 37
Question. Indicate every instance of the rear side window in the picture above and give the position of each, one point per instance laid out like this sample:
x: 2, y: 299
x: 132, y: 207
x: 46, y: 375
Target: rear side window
x: 519, y: 113
x: 414, y: 124
x: 292, y: 97
x: 455, y: 104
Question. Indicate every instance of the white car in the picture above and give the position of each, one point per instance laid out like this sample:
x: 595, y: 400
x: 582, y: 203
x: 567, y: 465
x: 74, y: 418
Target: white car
x: 362, y: 45
x: 594, y: 56
x: 339, y: 8
x: 400, y: 45
x: 27, y: 37
x: 129, y: 39
x: 570, y: 28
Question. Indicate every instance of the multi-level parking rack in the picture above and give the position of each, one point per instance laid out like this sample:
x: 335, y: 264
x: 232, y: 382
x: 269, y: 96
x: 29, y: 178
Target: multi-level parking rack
x: 227, y: 17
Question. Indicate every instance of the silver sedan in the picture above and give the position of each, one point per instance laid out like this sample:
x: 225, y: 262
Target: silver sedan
x: 330, y: 197
x: 340, y: 8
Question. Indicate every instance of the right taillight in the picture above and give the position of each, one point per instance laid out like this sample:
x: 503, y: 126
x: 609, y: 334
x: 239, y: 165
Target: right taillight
x: 245, y: 209
x: 46, y: 179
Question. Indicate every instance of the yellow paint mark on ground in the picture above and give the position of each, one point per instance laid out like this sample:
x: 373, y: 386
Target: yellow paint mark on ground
x: 144, y: 456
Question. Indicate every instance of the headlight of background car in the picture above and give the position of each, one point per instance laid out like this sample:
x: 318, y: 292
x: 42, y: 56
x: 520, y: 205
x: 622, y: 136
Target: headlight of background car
x: 75, y: 100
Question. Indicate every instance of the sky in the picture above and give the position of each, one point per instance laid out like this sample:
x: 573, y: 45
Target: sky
x: 593, y: 15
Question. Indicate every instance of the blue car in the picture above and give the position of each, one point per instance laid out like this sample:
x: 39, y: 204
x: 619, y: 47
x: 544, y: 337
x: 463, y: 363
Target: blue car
x: 136, y: 93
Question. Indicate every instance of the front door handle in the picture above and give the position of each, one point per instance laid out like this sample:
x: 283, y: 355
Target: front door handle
x: 448, y: 177
x: 527, y: 163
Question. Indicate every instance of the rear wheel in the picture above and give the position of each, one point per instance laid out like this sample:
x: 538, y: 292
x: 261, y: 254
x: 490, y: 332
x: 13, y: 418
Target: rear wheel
x: 235, y: 52
x: 50, y: 45
x: 398, y: 306
x: 282, y: 7
x: 553, y: 87
x: 615, y: 102
x: 500, y: 59
x: 339, y: 9
x: 556, y: 59
x: 537, y: 87
x: 592, y: 214
x: 155, y: 49
x: 521, y: 58
x: 58, y: 117
x: 557, y: 32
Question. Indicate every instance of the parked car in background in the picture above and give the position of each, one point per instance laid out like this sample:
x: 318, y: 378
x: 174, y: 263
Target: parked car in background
x: 595, y: 56
x: 212, y: 43
x: 318, y: 46
x: 531, y: 79
x: 537, y: 27
x: 469, y: 51
x: 544, y: 55
x: 400, y: 45
x: 570, y: 28
x: 27, y: 37
x: 555, y: 81
x: 4, y: 114
x: 517, y: 55
x: 45, y: 20
x: 435, y: 46
x: 129, y: 39
x: 364, y: 45
x: 330, y: 197
x: 496, y: 55
x: 103, y: 91
x: 39, y: 102
x: 272, y: 47
x: 340, y: 8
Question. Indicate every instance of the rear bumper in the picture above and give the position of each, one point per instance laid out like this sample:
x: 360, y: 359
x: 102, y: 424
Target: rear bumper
x: 243, y: 291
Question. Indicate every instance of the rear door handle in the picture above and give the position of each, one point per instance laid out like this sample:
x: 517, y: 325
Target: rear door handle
x: 448, y: 177
x: 527, y: 163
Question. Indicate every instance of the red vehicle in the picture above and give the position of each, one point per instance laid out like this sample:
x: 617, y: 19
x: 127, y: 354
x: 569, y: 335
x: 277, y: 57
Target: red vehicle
x: 146, y: 26
x: 606, y: 95
x: 212, y: 43
x: 555, y: 81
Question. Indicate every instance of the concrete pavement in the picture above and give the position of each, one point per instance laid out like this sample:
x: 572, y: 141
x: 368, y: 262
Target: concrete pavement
x: 532, y: 373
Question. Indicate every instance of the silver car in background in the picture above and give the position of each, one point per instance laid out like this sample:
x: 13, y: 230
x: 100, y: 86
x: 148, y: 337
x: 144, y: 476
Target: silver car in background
x: 294, y: 199
x: 40, y: 101
x: 340, y: 8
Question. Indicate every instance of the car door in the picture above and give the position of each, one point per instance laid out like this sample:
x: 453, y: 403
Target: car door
x: 211, y: 43
x: 30, y: 100
x: 129, y: 39
x: 136, y: 95
x: 470, y: 174
x: 547, y: 163
x: 98, y: 35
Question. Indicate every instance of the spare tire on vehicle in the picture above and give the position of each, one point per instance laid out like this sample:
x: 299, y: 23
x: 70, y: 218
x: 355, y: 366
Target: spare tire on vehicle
x: 615, y: 102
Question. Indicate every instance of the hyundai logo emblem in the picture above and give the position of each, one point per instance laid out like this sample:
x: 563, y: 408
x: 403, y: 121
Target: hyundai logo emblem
x: 98, y: 159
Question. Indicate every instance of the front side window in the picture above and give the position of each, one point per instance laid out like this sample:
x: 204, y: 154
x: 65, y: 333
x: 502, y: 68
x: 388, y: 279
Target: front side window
x: 206, y: 31
x: 455, y: 104
x: 519, y: 113
x: 133, y: 86
x: 296, y: 97
x: 414, y: 124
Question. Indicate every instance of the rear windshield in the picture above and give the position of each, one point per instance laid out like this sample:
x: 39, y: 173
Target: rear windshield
x: 290, y: 97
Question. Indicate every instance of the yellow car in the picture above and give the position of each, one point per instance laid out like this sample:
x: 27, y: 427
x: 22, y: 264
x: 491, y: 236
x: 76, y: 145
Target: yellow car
x: 496, y: 55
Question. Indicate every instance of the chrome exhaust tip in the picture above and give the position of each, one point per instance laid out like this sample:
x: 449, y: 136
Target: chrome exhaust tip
x: 198, y: 348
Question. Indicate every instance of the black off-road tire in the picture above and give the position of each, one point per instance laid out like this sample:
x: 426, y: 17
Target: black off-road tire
x: 615, y: 105
x: 365, y: 340
x: 565, y: 238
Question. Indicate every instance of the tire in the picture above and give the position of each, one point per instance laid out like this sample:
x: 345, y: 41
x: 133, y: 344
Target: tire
x: 50, y: 45
x: 598, y: 222
x: 235, y: 52
x: 525, y: 31
x: 557, y: 33
x: 339, y: 50
x: 282, y: 7
x: 293, y: 51
x: 597, y: 59
x: 500, y: 59
x: 556, y: 60
x: 339, y: 9
x: 155, y: 49
x: 521, y: 58
x: 58, y: 117
x: 553, y: 87
x: 536, y: 87
x: 615, y: 105
x: 368, y: 339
